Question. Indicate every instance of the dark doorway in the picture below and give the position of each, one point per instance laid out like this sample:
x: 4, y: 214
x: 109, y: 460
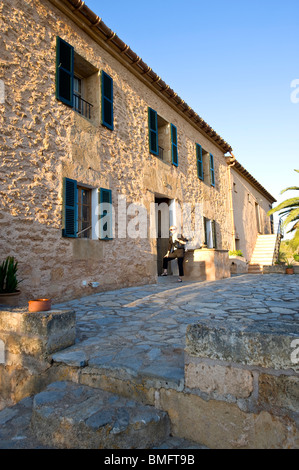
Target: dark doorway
x: 163, y: 222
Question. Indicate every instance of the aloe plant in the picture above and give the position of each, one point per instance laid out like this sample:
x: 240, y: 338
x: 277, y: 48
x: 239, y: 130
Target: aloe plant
x: 8, y: 276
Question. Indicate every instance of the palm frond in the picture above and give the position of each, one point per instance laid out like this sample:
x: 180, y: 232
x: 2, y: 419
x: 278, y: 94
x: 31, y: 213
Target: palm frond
x: 291, y: 188
x: 293, y: 215
x: 289, y: 203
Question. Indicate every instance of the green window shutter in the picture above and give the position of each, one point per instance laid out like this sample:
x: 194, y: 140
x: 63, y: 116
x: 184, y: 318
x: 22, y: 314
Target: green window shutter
x: 214, y: 234
x: 174, y: 145
x: 64, y: 71
x: 212, y: 171
x: 199, y: 161
x: 107, y: 100
x: 69, y: 208
x: 105, y: 213
x: 153, y: 131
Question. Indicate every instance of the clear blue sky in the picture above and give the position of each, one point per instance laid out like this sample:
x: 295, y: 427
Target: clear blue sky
x: 233, y: 62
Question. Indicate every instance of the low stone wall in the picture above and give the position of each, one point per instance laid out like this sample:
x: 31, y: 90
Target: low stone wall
x: 238, y: 265
x: 206, y: 265
x: 241, y: 386
x: 27, y: 341
x: 278, y: 269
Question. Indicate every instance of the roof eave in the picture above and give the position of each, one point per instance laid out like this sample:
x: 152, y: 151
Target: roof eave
x: 233, y: 162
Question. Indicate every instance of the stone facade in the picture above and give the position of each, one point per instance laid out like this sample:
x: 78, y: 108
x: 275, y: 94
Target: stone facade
x: 45, y: 141
x: 250, y: 205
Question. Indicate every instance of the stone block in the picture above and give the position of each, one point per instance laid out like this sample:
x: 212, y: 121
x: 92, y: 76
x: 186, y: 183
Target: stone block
x: 265, y: 344
x: 28, y: 340
x: 56, y: 329
x: 206, y: 264
x: 279, y: 392
x: 222, y: 425
x: 223, y: 380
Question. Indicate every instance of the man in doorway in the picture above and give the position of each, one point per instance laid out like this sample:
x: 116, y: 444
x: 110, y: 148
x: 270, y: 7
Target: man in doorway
x: 176, y: 249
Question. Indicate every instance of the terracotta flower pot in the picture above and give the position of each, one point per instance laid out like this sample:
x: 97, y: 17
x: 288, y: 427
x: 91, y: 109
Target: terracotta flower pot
x: 10, y: 299
x: 289, y: 270
x: 39, y: 305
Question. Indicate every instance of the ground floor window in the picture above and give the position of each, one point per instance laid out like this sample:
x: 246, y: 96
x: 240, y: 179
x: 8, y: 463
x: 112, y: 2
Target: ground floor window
x: 87, y: 212
x: 210, y: 233
x: 84, y: 213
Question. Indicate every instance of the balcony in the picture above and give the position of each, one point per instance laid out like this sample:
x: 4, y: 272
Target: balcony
x: 82, y: 106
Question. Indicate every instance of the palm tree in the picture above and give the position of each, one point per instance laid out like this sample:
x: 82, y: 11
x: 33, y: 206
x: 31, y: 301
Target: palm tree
x: 289, y: 208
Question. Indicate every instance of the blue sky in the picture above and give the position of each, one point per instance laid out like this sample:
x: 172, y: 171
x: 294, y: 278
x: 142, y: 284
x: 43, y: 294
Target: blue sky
x: 233, y: 62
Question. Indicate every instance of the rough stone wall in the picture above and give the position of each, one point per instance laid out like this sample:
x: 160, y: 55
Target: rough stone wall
x: 241, y: 386
x: 28, y: 341
x: 43, y: 141
x: 245, y: 197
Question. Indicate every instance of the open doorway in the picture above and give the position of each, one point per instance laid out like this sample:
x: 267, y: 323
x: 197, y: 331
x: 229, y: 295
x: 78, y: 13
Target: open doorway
x: 163, y: 223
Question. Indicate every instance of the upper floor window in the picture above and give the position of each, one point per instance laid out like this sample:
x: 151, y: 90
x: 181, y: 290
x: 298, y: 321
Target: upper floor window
x: 205, y: 165
x: 76, y: 80
x: 162, y: 138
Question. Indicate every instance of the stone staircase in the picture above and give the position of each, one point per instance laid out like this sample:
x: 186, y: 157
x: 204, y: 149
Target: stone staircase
x: 263, y: 253
x: 91, y: 407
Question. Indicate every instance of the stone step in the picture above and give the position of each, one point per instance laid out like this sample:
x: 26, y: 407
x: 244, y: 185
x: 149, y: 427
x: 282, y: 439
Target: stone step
x: 71, y: 416
x: 16, y: 431
x: 261, y: 262
x: 255, y: 269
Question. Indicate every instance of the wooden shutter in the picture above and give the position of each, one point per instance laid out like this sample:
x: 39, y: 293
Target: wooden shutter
x: 64, y: 71
x: 69, y: 208
x: 199, y: 161
x: 212, y: 171
x: 174, y: 145
x: 105, y: 201
x: 107, y: 101
x: 214, y: 234
x: 153, y: 131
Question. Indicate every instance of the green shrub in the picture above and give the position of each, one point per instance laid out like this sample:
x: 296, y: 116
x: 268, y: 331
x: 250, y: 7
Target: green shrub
x: 235, y: 253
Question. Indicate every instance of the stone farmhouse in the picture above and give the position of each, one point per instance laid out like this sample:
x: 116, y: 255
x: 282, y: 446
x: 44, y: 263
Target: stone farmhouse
x: 99, y: 156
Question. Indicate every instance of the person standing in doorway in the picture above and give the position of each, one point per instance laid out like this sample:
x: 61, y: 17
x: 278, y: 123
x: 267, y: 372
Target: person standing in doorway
x: 176, y: 250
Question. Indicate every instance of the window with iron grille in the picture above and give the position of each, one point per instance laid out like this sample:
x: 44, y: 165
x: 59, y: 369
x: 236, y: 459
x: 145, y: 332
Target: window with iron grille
x: 76, y: 80
x: 162, y: 137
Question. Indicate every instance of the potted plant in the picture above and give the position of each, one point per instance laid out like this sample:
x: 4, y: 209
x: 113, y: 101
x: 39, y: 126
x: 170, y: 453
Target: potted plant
x: 9, y: 282
x: 289, y: 268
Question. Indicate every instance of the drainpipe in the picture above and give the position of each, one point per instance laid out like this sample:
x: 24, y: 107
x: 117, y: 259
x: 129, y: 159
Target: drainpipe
x: 231, y: 162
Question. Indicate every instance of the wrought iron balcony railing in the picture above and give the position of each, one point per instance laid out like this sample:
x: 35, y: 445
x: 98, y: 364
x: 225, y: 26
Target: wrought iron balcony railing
x: 82, y: 106
x: 161, y: 153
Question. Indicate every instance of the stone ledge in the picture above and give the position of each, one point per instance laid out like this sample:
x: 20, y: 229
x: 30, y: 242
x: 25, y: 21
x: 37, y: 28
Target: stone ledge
x: 264, y: 344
